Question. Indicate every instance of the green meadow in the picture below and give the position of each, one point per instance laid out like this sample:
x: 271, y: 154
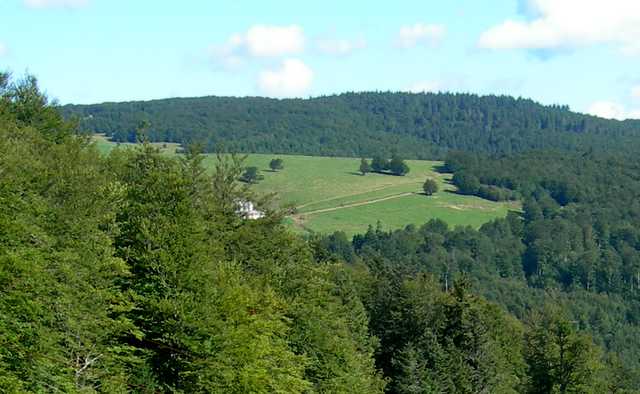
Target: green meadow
x: 329, y: 194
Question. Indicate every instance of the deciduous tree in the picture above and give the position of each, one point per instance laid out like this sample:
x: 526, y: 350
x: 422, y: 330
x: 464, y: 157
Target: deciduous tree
x: 430, y: 187
x: 276, y: 164
x: 365, y: 167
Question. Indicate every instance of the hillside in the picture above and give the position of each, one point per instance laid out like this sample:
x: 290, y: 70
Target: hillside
x: 133, y: 272
x: 330, y: 195
x: 420, y: 126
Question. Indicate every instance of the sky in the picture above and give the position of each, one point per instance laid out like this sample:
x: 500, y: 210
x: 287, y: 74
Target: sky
x: 581, y: 53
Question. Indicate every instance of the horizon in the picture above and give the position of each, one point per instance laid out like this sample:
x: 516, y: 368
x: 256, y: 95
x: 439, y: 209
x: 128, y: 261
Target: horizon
x: 481, y: 95
x: 575, y: 53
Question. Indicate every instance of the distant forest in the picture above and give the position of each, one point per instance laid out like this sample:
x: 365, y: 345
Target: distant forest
x: 422, y: 126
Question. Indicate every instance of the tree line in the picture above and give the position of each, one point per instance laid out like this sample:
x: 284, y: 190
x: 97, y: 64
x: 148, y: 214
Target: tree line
x: 419, y: 126
x: 394, y: 166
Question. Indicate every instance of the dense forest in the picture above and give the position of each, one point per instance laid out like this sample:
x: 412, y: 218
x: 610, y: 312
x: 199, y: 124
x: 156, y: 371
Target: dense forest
x: 134, y: 272
x: 575, y: 245
x: 422, y: 126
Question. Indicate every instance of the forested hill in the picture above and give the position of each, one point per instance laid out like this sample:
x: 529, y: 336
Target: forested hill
x: 361, y: 124
x: 134, y: 273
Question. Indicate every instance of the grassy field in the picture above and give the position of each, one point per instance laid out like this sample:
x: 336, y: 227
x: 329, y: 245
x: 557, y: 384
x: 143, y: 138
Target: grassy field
x: 329, y: 194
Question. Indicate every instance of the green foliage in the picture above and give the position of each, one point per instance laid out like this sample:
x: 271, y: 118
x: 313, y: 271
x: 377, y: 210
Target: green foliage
x: 133, y: 273
x: 435, y: 342
x: 365, y: 167
x: 466, y: 183
x: 276, y: 164
x: 430, y: 187
x: 419, y: 126
x: 61, y: 315
x: 397, y: 166
x: 379, y: 164
x: 559, y: 359
x: 251, y: 175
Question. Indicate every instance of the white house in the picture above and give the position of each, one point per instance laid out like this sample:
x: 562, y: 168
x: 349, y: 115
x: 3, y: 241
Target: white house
x: 247, y: 210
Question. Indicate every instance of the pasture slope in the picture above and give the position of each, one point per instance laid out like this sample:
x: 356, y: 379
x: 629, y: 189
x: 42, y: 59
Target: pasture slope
x: 329, y: 194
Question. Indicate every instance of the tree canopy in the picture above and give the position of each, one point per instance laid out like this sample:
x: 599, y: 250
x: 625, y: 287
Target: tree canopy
x: 419, y: 126
x: 133, y: 273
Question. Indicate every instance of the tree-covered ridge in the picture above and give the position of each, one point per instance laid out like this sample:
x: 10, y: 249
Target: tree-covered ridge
x: 581, y: 212
x: 360, y: 124
x: 135, y: 273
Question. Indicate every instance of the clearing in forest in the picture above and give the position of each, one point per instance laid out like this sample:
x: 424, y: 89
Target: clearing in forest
x: 329, y: 193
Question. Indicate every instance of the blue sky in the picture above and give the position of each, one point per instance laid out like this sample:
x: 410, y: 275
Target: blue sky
x: 584, y: 53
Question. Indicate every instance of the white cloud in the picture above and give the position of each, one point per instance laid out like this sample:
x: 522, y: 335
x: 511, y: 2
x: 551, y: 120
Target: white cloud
x: 293, y: 78
x: 612, y: 110
x: 42, y: 4
x: 264, y: 41
x: 339, y: 46
x: 568, y: 24
x: 419, y: 33
x: 259, y: 41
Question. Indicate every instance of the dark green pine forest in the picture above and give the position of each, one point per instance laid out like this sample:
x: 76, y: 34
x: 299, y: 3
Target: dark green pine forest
x: 419, y: 126
x: 133, y: 272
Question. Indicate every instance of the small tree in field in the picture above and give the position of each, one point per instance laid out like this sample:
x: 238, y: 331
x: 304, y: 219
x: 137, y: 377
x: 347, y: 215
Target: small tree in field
x: 276, y: 164
x: 364, y: 166
x: 251, y: 175
x: 430, y: 187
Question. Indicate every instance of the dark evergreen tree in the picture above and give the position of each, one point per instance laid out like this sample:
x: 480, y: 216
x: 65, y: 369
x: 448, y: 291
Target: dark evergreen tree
x: 397, y: 166
x: 559, y: 359
x: 379, y: 164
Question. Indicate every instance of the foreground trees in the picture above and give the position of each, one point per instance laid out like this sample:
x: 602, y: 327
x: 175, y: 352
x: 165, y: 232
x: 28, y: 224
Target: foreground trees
x: 559, y: 359
x: 133, y: 273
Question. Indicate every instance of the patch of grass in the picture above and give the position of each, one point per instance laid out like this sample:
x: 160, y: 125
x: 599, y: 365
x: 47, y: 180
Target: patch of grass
x: 308, y: 180
x: 331, y: 195
x: 416, y: 209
